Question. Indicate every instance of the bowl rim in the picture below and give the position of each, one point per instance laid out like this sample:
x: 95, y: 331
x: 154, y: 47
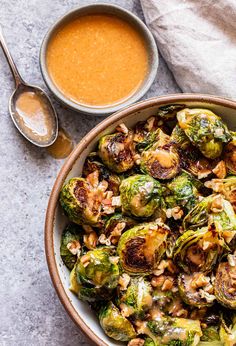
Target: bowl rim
x: 101, y: 111
x: 64, y: 171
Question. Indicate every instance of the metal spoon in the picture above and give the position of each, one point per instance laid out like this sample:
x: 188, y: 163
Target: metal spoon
x: 20, y: 88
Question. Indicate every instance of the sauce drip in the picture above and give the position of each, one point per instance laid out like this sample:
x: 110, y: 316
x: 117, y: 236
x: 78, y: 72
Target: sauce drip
x: 34, y: 116
x: 62, y: 147
x: 97, y: 60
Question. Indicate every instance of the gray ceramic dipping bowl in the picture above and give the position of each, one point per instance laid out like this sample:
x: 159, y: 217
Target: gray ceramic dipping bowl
x: 125, y: 15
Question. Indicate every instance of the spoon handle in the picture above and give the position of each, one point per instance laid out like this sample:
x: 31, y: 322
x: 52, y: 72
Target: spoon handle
x: 18, y: 79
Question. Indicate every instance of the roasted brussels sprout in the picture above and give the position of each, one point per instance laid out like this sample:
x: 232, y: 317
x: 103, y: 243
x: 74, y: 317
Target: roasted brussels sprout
x: 196, y: 289
x: 226, y: 186
x: 71, y: 245
x: 98, y: 273
x: 140, y: 195
x: 92, y: 164
x: 225, y: 283
x: 179, y: 137
x: 74, y: 286
x: 117, y: 151
x: 137, y: 299
x: 141, y: 248
x: 114, y: 324
x: 161, y: 159
x: 198, y: 251
x: 174, y: 331
x: 230, y: 154
x: 228, y: 330
x: 85, y: 200
x: 205, y: 130
x: 182, y: 192
x: 213, y: 209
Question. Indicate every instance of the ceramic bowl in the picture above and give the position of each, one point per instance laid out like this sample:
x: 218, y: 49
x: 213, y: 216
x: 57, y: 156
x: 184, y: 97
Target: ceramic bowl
x: 55, y: 220
x: 108, y: 9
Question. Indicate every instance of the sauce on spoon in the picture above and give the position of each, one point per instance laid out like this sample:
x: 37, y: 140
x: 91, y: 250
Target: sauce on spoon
x: 62, y: 147
x: 33, y: 116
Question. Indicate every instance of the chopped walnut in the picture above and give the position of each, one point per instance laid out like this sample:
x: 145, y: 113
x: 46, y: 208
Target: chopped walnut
x: 124, y: 281
x: 74, y: 247
x: 122, y: 128
x: 167, y: 285
x: 126, y: 310
x: 104, y: 240
x: 114, y: 259
x: 203, y: 173
x: 175, y: 212
x: 200, y: 280
x: 85, y: 260
x: 220, y: 170
x: 136, y: 342
x: 116, y: 201
x: 217, y: 204
x: 158, y: 281
x: 137, y: 159
x: 90, y: 240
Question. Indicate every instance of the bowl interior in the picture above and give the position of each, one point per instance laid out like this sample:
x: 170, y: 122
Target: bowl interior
x: 60, y: 272
x: 123, y: 14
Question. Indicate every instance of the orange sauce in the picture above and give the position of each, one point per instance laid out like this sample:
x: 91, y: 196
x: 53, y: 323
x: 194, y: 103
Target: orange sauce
x: 34, y: 117
x: 62, y: 147
x: 97, y: 60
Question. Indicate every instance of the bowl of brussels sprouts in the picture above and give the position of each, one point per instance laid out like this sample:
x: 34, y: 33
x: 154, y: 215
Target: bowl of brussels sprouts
x: 140, y: 231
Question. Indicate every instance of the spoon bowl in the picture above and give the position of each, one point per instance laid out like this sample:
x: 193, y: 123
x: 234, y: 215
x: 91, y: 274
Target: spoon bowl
x: 41, y: 126
x: 22, y: 127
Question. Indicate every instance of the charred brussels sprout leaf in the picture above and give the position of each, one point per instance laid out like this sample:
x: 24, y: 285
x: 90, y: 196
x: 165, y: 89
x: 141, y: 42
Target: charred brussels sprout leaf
x: 210, y: 337
x: 228, y: 330
x: 169, y: 111
x: 92, y: 164
x: 205, y: 130
x: 140, y: 195
x: 198, y: 251
x: 117, y: 151
x: 179, y: 137
x: 194, y: 289
x: 225, y: 283
x: 97, y: 273
x: 230, y: 154
x: 71, y: 245
x: 141, y: 248
x: 116, y: 225
x: 182, y: 192
x: 137, y: 299
x: 161, y: 159
x: 74, y: 286
x: 174, y: 331
x: 114, y: 324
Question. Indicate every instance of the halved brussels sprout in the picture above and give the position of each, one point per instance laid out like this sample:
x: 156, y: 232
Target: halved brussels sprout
x: 71, y: 239
x: 198, y: 251
x: 205, y: 130
x: 174, y: 331
x: 225, y: 283
x: 213, y: 209
x: 228, y: 330
x: 161, y: 159
x: 230, y: 154
x: 92, y: 164
x: 85, y: 200
x: 182, y: 192
x: 142, y: 247
x: 137, y: 299
x: 114, y: 324
x: 140, y: 195
x: 225, y: 186
x: 116, y: 225
x: 98, y: 273
x: 179, y: 137
x: 117, y: 151
x: 196, y: 289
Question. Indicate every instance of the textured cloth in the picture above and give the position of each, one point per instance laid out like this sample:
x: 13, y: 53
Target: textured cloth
x: 197, y: 39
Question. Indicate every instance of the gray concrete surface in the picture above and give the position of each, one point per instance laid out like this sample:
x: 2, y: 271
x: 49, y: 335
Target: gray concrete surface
x: 30, y: 312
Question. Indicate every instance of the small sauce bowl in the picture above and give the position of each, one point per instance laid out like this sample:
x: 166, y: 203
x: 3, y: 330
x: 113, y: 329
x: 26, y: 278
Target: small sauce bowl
x: 121, y: 13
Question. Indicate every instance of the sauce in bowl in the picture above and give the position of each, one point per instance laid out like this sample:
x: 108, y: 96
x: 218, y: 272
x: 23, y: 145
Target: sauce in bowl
x: 97, y: 60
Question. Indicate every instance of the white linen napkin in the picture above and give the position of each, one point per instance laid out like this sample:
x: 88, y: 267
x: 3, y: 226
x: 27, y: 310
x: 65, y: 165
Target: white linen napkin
x: 197, y: 39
